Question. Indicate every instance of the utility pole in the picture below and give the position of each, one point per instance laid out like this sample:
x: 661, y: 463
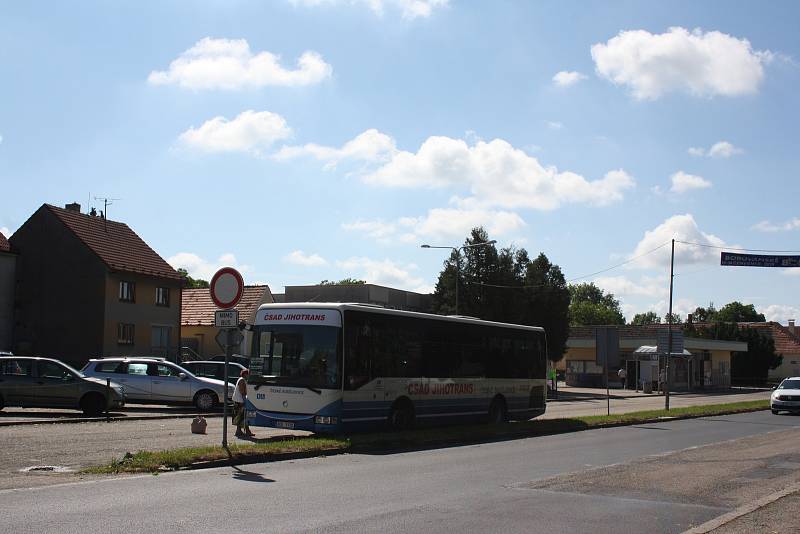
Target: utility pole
x: 669, y: 324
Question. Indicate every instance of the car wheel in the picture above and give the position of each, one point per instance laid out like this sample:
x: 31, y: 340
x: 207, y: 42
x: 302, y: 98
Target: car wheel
x: 205, y: 400
x: 497, y: 411
x: 401, y: 416
x: 774, y: 412
x: 92, y: 404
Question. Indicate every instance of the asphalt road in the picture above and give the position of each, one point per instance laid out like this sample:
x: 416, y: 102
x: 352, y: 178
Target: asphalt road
x: 662, y: 477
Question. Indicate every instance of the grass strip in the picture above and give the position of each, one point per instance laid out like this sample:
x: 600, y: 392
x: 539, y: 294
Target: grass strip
x: 284, y: 447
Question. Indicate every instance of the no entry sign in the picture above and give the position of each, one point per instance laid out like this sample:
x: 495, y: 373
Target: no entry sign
x: 226, y: 287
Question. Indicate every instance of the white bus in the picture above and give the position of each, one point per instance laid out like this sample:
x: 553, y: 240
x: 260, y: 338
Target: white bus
x: 334, y: 367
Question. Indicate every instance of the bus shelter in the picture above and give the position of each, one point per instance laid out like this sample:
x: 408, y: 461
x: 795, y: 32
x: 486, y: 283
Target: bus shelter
x: 650, y: 364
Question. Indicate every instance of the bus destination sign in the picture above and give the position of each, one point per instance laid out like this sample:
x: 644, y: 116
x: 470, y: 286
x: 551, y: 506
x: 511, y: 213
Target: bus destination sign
x: 758, y: 260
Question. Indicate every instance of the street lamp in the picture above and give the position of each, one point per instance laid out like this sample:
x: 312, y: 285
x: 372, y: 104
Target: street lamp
x: 458, y: 250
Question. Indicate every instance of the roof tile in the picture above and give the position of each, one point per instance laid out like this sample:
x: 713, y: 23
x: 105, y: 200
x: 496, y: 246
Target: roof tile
x: 116, y: 244
x: 197, y: 308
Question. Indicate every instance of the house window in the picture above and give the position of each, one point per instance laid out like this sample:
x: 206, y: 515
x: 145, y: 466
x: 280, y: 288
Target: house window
x: 162, y: 296
x: 127, y: 291
x: 125, y: 333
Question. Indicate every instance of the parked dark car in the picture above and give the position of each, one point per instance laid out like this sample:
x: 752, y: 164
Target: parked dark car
x: 213, y: 369
x: 30, y: 382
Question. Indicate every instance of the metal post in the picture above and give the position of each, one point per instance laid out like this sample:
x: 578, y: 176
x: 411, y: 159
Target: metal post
x: 228, y: 349
x: 458, y: 274
x: 108, y: 398
x: 608, y: 394
x: 669, y: 325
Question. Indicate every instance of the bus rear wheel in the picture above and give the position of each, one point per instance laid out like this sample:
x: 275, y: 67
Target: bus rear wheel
x: 497, y: 411
x: 401, y: 416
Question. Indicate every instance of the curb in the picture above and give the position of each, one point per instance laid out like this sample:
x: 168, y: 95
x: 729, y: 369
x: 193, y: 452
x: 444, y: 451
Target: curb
x: 743, y: 510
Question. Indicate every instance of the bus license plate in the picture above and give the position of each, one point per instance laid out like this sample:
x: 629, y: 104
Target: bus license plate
x: 284, y: 424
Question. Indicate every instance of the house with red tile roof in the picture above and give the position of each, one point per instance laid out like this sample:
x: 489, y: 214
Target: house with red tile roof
x: 88, y: 287
x: 787, y: 344
x: 197, y: 320
x: 8, y: 264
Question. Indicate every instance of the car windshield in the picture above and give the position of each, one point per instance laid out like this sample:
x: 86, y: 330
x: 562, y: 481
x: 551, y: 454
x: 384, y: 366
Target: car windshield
x: 790, y: 384
x: 72, y: 369
x: 297, y: 355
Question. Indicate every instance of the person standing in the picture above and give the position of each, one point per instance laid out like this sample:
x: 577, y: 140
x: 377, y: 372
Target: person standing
x: 239, y: 399
x: 623, y: 375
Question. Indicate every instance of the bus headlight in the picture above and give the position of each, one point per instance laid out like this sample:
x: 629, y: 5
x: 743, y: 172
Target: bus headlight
x: 325, y: 420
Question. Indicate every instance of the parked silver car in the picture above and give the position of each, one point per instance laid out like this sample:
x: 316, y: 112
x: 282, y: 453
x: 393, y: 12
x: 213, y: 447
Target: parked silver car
x: 216, y: 370
x: 47, y: 383
x: 157, y: 381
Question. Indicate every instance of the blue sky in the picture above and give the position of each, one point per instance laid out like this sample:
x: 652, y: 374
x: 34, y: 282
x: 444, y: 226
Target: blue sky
x: 322, y: 139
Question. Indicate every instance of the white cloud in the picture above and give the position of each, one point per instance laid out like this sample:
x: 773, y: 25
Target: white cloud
x: 199, y: 267
x: 298, y: 257
x: 409, y: 9
x: 1, y: 139
x: 622, y: 286
x: 370, y: 146
x: 568, y: 78
x: 554, y: 125
x: 781, y: 313
x: 5, y: 231
x: 382, y: 272
x: 445, y: 224
x: 766, y: 226
x: 682, y: 182
x: 250, y: 131
x: 679, y: 227
x: 721, y: 149
x: 698, y: 63
x: 497, y: 174
x: 229, y: 64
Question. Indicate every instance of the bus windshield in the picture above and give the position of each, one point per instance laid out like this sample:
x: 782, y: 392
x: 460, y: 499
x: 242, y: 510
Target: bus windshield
x: 297, y: 355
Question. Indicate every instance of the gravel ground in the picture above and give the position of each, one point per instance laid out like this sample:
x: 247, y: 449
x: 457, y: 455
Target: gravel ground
x: 725, y: 475
x: 83, y: 444
x: 779, y: 517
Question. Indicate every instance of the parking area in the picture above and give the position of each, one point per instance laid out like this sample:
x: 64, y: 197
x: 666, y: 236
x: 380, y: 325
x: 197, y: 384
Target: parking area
x: 24, y: 416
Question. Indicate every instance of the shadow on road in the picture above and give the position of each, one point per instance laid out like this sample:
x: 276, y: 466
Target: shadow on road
x: 249, y: 476
x: 455, y: 436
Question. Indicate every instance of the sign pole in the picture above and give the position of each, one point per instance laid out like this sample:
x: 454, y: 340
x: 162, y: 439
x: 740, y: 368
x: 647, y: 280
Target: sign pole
x: 228, y: 348
x: 669, y: 325
x: 226, y: 288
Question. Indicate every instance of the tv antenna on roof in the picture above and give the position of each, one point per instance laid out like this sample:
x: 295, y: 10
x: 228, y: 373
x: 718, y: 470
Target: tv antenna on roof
x: 106, y: 203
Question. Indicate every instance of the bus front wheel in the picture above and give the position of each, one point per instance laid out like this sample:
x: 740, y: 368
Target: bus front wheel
x: 497, y: 411
x: 401, y: 416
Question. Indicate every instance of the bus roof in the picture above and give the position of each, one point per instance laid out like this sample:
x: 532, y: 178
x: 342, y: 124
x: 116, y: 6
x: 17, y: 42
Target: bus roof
x: 374, y: 308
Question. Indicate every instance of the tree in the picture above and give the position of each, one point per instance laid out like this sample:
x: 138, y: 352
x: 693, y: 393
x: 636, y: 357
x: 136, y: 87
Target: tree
x: 589, y: 305
x: 646, y: 318
x: 343, y: 282
x: 676, y: 318
x: 505, y: 286
x: 192, y: 283
x: 736, y: 312
x: 705, y: 315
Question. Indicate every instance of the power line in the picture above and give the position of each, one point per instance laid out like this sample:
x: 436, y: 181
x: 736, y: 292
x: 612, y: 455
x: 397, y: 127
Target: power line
x: 584, y: 276
x: 740, y: 249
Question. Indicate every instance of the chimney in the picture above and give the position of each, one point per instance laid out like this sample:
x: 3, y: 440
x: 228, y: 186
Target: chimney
x: 73, y: 207
x: 792, y: 327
